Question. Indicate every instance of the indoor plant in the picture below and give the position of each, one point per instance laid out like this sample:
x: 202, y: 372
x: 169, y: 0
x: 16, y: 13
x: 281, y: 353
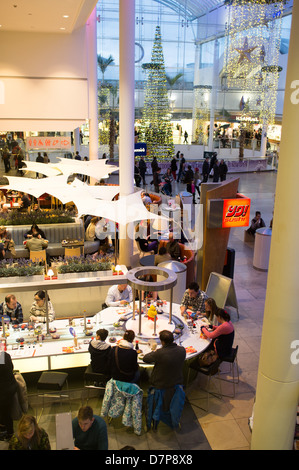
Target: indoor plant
x: 24, y: 267
x: 82, y: 264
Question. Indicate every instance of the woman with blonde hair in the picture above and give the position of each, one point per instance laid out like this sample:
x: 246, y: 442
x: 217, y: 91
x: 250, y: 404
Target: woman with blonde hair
x: 29, y: 436
x: 2, y: 198
x: 90, y: 234
x: 211, y: 310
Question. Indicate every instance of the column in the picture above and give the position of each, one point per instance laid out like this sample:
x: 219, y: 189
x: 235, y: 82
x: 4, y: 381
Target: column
x: 76, y: 134
x: 278, y: 375
x: 196, y: 81
x: 126, y: 114
x: 263, y: 148
x: 214, y: 94
x: 93, y: 85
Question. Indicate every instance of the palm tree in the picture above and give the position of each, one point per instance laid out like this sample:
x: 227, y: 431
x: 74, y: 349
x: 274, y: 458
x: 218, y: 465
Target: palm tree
x: 104, y: 63
x: 172, y: 80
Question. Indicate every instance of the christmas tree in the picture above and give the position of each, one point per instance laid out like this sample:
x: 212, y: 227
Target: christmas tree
x: 155, y: 126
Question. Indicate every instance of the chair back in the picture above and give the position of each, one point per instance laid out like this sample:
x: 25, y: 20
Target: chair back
x: 134, y: 260
x: 38, y: 256
x: 234, y: 353
x: 70, y: 252
x: 231, y: 358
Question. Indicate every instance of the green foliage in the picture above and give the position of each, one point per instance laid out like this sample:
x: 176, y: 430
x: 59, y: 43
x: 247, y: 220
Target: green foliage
x: 23, y: 267
x: 37, y: 217
x: 83, y: 264
x: 103, y: 63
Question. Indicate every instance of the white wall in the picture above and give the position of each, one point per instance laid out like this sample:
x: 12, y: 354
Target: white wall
x: 45, y: 80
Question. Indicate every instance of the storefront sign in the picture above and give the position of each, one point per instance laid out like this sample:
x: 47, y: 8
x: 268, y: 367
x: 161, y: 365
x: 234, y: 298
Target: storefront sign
x: 236, y: 212
x: 247, y: 119
x: 48, y: 143
x: 140, y: 150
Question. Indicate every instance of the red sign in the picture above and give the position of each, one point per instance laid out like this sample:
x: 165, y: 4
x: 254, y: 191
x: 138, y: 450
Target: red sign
x: 236, y: 212
x: 46, y: 143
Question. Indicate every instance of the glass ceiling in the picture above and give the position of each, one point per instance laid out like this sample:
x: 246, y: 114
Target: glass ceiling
x: 192, y: 8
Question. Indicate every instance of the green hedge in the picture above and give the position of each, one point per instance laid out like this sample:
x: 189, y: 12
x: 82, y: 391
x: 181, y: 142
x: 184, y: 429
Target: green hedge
x: 37, y: 217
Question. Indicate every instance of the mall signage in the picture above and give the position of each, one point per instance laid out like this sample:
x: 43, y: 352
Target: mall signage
x: 48, y: 143
x: 236, y: 212
x: 140, y: 150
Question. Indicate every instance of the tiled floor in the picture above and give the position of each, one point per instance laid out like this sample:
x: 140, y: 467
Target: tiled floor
x: 225, y: 425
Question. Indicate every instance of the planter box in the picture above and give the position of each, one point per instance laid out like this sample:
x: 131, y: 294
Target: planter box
x: 85, y: 274
x: 20, y: 279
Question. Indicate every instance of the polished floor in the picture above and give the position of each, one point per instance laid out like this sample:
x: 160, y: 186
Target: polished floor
x: 225, y: 425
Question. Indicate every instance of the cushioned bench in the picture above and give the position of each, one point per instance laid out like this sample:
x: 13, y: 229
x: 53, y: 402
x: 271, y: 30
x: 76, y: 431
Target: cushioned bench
x: 55, y: 233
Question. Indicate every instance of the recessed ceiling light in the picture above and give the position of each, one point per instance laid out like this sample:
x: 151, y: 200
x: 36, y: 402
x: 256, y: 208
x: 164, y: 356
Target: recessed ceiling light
x: 65, y: 16
x: 62, y: 29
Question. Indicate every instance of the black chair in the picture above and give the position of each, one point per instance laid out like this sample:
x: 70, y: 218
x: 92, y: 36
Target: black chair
x: 208, y: 371
x: 94, y: 380
x: 233, y: 361
x: 50, y: 382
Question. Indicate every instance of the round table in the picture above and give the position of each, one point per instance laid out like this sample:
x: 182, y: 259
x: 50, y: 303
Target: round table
x: 34, y: 355
x: 188, y: 338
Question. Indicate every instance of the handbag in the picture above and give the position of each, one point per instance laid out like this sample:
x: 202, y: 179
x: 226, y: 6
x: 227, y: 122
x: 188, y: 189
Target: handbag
x: 207, y: 358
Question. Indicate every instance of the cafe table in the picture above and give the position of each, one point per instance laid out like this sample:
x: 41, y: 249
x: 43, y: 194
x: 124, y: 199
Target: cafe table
x: 32, y: 349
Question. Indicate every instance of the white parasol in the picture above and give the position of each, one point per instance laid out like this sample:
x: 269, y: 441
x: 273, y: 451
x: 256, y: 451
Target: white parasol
x: 43, y: 168
x: 125, y: 210
x: 98, y: 192
x: 24, y: 185
x: 95, y: 168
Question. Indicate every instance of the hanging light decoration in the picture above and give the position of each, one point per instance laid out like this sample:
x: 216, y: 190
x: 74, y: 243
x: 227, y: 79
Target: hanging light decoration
x: 270, y: 75
x: 202, y: 97
x: 253, y: 35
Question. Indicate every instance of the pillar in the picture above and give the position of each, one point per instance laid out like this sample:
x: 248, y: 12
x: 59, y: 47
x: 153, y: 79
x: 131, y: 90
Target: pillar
x: 277, y: 392
x: 126, y: 114
x: 195, y: 82
x: 263, y: 148
x: 76, y: 134
x: 214, y: 94
x: 93, y: 86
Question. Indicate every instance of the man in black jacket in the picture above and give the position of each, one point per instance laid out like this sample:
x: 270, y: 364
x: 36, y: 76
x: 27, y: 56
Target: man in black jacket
x: 181, y: 167
x: 205, y: 170
x: 168, y: 360
x: 142, y: 169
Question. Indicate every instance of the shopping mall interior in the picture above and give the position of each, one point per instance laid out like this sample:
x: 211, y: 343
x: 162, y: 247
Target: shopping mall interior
x: 121, y: 79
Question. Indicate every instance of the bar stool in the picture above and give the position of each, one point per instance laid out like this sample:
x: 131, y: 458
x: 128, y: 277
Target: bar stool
x: 233, y: 361
x: 209, y: 371
x: 94, y: 380
x: 51, y: 382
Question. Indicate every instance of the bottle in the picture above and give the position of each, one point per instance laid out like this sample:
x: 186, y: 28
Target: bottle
x: 3, y: 344
x: 137, y: 345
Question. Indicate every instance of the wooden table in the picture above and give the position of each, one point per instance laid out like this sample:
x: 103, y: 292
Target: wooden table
x: 73, y: 243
